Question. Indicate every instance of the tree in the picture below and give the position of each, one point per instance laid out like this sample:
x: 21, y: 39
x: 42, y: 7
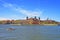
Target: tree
x: 39, y: 18
x: 27, y: 17
x: 35, y: 17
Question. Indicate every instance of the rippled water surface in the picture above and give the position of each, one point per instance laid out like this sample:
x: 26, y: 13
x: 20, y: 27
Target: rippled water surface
x: 32, y: 32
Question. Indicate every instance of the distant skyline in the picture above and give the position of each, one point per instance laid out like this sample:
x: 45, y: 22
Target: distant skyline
x: 20, y: 9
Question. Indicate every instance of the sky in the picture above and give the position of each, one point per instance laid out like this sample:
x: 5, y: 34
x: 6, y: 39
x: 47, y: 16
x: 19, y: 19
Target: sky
x: 20, y: 9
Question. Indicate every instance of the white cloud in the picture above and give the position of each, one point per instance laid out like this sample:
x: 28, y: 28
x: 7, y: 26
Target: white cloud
x: 2, y: 18
x: 30, y: 13
x: 7, y: 5
x: 22, y: 11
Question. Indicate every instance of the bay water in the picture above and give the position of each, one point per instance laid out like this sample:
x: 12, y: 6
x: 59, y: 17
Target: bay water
x: 29, y: 32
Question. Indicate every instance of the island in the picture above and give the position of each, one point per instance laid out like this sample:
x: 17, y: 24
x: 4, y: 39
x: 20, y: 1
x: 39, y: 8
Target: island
x: 30, y: 21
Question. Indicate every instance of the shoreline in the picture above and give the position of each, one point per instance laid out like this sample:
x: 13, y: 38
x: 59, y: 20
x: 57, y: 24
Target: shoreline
x: 33, y: 24
x: 36, y: 24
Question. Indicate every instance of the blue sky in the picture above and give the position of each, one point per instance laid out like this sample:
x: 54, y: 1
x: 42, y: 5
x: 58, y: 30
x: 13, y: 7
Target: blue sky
x: 19, y: 9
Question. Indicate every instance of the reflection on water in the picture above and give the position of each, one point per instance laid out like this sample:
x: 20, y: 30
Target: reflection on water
x: 33, y: 32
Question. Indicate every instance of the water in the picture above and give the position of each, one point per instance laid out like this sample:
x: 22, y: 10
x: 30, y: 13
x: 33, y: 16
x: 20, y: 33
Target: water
x: 33, y: 32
